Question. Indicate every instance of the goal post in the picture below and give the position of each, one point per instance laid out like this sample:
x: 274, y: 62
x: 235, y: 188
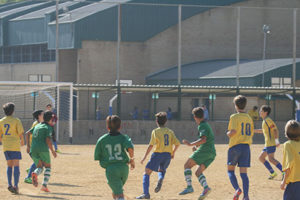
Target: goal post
x: 30, y: 96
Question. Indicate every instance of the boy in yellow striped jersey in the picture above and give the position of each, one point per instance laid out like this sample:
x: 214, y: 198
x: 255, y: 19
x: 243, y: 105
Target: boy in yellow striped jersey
x: 11, y: 132
x: 270, y: 131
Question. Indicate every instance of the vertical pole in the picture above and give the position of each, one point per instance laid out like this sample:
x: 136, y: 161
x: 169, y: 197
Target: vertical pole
x: 238, y: 50
x: 118, y: 62
x: 294, y: 60
x: 56, y: 43
x: 264, y: 59
x: 57, y: 112
x: 96, y: 98
x: 154, y: 106
x: 71, y: 114
x: 212, y: 109
x: 179, y: 63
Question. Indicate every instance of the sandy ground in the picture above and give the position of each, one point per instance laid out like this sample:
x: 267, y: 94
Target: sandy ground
x: 75, y: 175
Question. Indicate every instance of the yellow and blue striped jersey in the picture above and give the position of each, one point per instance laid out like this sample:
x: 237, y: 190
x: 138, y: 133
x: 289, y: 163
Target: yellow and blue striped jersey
x: 10, y: 130
x: 164, y: 139
x: 268, y: 127
x: 243, y: 124
x: 291, y: 160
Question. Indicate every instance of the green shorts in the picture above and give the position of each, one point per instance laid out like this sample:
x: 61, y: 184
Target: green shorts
x: 117, y: 175
x: 203, y: 158
x: 43, y: 156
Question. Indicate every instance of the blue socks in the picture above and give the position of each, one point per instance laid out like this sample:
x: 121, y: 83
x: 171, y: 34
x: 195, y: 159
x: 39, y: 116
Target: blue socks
x: 9, y: 175
x: 233, y: 180
x: 32, y: 168
x: 55, y: 145
x: 161, y: 175
x: 146, y: 183
x: 268, y: 166
x: 16, y: 175
x: 245, y: 180
x: 279, y: 166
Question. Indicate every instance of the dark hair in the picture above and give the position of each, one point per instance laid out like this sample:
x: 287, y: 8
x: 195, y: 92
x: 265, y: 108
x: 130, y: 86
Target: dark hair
x: 161, y: 118
x: 198, y: 112
x: 9, y: 108
x: 266, y: 108
x: 254, y: 107
x: 48, y: 116
x: 49, y: 105
x: 292, y: 130
x: 113, y: 123
x: 240, y: 101
x: 37, y: 113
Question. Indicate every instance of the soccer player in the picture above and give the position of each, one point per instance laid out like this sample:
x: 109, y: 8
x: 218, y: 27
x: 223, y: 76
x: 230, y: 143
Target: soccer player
x: 270, y: 131
x: 291, y: 161
x: 38, y: 116
x: 164, y: 139
x: 39, y: 150
x: 111, y: 152
x: 11, y: 132
x: 204, y: 153
x: 54, y: 120
x: 240, y: 133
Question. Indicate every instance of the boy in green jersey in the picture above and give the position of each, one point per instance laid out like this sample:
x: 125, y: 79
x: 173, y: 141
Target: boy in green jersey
x: 204, y: 154
x: 39, y: 149
x: 111, y: 152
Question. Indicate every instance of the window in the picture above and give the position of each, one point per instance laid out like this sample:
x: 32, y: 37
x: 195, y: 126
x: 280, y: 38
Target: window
x: 39, y: 77
x: 281, y: 82
x: 45, y: 78
x: 33, y: 77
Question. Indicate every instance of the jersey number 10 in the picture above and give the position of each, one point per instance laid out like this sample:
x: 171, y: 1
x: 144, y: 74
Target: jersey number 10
x: 116, y: 155
x: 246, y: 129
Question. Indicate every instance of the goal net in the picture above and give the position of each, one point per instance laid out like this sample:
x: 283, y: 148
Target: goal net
x: 30, y: 96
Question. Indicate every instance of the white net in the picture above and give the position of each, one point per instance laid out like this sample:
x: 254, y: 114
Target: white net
x: 28, y: 96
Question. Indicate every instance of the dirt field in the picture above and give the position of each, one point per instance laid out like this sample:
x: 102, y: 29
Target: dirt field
x: 76, y: 176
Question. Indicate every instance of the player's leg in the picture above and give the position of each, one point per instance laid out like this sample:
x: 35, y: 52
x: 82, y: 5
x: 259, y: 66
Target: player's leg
x: 16, y: 164
x: 202, y: 181
x: 165, y: 162
x: 232, y: 160
x: 39, y: 167
x: 189, y: 164
x: 271, y: 157
x: 243, y: 164
x: 124, y: 176
x: 46, y: 161
x: 9, y: 171
x: 31, y: 169
x: 262, y: 159
x: 116, y: 177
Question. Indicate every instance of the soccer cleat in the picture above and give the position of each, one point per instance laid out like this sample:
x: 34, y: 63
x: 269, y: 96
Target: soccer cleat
x: 246, y: 198
x: 11, y: 189
x: 204, y: 194
x: 45, y: 189
x: 34, y: 179
x: 27, y: 170
x: 144, y: 196
x: 187, y: 190
x: 57, y: 151
x: 28, y: 180
x: 272, y: 176
x: 158, y: 186
x: 16, y: 190
x: 237, y: 194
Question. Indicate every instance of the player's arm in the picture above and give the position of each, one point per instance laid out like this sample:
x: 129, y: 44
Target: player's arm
x: 258, y: 131
x: 22, y: 139
x: 197, y: 143
x: 49, y: 143
x: 286, y: 175
x: 131, y: 155
x: 27, y: 135
x: 174, y: 150
x: 231, y: 133
x: 276, y: 136
x: 147, y: 152
x: 232, y: 126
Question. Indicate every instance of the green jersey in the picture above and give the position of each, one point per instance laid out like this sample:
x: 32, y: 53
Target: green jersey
x: 111, y: 149
x: 204, y: 129
x: 39, y: 135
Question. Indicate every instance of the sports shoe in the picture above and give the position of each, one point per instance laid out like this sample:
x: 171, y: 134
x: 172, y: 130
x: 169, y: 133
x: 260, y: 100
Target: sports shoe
x: 237, y: 194
x: 204, y: 193
x: 246, y: 198
x: 16, y: 190
x: 34, y: 179
x: 144, y: 196
x: 28, y: 180
x: 11, y: 189
x: 158, y: 186
x: 272, y: 176
x: 45, y: 189
x: 27, y: 170
x: 57, y: 151
x: 187, y: 190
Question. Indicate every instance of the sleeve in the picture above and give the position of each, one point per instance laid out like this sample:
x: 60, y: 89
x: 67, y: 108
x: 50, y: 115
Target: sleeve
x: 20, y: 128
x: 49, y: 131
x: 272, y: 125
x: 203, y: 131
x: 287, y: 156
x: 232, y: 124
x: 97, y: 153
x: 152, y: 141
x: 175, y: 141
x: 128, y: 142
x: 31, y: 130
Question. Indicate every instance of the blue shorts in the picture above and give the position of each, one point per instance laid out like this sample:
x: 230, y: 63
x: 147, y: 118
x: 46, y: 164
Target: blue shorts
x: 292, y: 191
x: 13, y: 155
x: 270, y: 149
x: 159, y: 162
x: 239, y: 155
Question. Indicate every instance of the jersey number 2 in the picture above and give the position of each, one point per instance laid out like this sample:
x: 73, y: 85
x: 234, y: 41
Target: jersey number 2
x: 117, y: 152
x: 7, y: 126
x: 246, y: 129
